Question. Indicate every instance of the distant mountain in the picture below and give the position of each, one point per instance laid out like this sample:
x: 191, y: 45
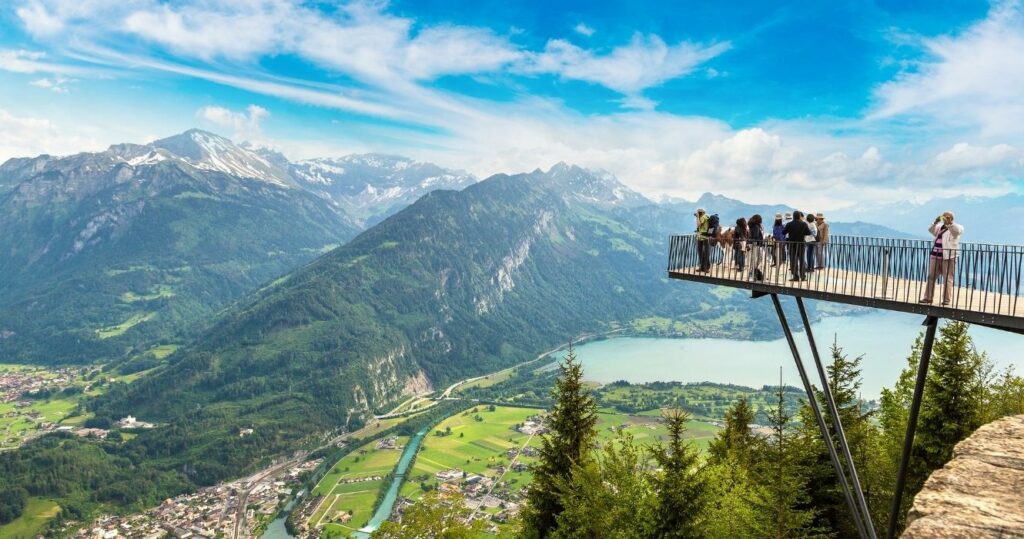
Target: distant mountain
x: 459, y: 283
x: 985, y: 219
x: 104, y: 252
x: 371, y: 187
x: 729, y: 210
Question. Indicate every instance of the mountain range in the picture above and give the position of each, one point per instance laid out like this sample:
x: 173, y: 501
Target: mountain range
x: 457, y: 284
x: 108, y: 253
x: 295, y: 321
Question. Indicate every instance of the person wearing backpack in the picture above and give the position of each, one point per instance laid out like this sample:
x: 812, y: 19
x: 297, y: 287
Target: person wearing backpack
x: 703, y: 240
x: 757, y: 253
x: 739, y: 244
x: 796, y: 237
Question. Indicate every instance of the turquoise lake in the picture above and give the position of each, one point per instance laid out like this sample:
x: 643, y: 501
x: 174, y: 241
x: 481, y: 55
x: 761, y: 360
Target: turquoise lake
x: 883, y: 338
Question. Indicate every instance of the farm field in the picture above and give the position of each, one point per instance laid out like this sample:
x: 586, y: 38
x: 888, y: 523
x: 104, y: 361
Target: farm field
x: 351, y: 486
x: 477, y: 443
x: 31, y: 523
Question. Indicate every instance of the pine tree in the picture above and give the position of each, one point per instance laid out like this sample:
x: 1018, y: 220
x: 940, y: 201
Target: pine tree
x: 609, y: 496
x: 735, y: 440
x: 952, y: 407
x: 826, y: 495
x: 784, y: 500
x: 572, y: 423
x: 679, y: 484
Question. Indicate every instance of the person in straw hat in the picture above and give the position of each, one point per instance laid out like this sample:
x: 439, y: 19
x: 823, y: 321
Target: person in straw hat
x: 821, y: 247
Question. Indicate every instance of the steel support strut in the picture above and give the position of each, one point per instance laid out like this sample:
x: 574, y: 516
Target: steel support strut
x: 813, y: 402
x: 915, y: 407
x: 830, y: 403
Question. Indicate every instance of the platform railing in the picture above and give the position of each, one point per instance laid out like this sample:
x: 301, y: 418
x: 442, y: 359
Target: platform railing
x: 987, y: 277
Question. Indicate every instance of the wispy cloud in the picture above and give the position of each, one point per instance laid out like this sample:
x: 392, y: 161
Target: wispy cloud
x: 378, y: 65
x: 583, y: 30
x: 57, y: 84
x: 970, y: 80
x: 645, y: 62
x: 244, y: 125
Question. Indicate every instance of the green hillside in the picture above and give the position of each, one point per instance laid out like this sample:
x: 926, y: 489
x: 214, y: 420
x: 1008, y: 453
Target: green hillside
x: 103, y: 253
x: 460, y: 283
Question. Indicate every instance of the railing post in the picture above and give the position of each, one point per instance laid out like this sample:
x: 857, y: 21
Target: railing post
x: 885, y: 274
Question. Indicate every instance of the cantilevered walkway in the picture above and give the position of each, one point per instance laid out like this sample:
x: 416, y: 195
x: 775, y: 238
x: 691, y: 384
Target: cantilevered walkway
x: 871, y: 272
x: 876, y: 272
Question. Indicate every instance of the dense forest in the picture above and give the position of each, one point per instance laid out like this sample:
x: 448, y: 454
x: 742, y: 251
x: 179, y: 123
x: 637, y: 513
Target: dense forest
x: 748, y: 485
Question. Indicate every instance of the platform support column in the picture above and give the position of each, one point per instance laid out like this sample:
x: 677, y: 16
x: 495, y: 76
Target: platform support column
x: 830, y: 403
x: 931, y: 323
x: 813, y: 402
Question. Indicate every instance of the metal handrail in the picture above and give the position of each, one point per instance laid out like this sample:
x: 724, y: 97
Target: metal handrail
x: 987, y: 277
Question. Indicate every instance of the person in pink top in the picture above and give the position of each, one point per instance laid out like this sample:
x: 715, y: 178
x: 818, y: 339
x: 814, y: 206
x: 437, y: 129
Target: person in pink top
x: 943, y: 255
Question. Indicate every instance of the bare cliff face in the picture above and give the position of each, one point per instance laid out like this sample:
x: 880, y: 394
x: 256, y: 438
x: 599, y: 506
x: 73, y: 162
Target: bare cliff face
x: 980, y: 492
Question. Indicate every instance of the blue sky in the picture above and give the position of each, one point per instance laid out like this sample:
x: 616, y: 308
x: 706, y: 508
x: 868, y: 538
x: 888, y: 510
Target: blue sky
x: 830, y: 103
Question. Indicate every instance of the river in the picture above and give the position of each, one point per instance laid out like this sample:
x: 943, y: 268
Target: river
x: 883, y: 337
x: 277, y: 529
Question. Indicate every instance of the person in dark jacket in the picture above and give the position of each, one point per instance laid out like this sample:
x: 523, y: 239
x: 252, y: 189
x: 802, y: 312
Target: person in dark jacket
x: 810, y: 247
x: 757, y: 253
x: 796, y: 234
x: 778, y: 234
x: 739, y: 244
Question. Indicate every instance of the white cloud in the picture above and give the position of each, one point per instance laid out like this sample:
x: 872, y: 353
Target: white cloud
x: 22, y: 136
x: 58, y: 84
x: 971, y: 80
x: 584, y: 30
x: 30, y: 62
x: 245, y: 125
x: 824, y: 162
x: 963, y: 158
x: 645, y: 62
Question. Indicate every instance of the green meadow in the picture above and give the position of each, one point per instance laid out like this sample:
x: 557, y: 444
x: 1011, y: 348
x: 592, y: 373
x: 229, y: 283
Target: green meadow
x: 347, y: 487
x: 32, y: 522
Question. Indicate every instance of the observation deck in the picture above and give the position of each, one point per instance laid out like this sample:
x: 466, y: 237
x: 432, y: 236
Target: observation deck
x: 874, y: 272
x: 871, y: 272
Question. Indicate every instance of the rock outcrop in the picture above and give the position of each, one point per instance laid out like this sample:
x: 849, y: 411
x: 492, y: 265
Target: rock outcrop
x: 979, y: 492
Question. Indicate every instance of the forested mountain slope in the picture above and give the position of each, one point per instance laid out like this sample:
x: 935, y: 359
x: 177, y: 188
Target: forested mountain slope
x: 458, y: 284
x: 104, y: 252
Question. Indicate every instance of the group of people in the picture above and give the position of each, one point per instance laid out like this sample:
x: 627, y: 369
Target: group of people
x: 802, y: 240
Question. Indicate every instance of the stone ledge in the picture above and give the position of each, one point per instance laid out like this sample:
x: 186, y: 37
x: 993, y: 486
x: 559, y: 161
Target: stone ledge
x: 980, y: 492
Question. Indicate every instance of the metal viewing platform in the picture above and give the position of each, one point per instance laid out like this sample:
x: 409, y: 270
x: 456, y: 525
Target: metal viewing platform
x: 875, y: 272
x: 881, y: 273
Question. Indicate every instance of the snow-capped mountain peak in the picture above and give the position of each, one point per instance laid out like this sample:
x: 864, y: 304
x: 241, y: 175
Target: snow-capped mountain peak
x: 208, y: 151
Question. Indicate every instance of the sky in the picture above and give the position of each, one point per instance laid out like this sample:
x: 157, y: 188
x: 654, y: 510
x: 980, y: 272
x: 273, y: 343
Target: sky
x: 836, y: 104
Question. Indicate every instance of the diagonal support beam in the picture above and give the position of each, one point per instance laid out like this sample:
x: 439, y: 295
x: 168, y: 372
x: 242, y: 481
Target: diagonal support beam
x: 931, y: 323
x: 830, y: 403
x: 813, y: 402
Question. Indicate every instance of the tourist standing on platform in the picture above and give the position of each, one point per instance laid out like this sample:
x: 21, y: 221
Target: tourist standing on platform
x: 942, y: 259
x: 703, y: 240
x: 812, y: 242
x: 796, y: 234
x: 822, y: 239
x: 739, y: 244
x: 757, y: 253
x: 779, y: 235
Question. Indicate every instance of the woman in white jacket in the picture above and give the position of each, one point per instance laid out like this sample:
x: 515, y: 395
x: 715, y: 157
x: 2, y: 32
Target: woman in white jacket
x: 943, y: 255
